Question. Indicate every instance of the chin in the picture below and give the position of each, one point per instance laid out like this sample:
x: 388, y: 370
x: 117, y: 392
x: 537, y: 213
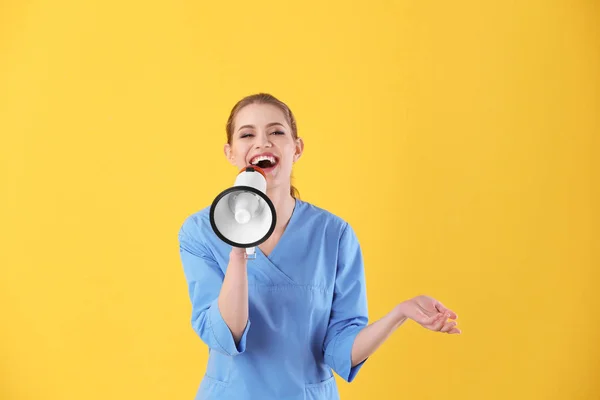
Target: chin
x: 273, y: 180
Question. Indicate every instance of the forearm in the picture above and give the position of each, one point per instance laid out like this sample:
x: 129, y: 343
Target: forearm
x: 373, y: 336
x: 233, y: 298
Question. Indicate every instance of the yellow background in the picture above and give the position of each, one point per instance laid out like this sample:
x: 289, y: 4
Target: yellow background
x: 459, y: 139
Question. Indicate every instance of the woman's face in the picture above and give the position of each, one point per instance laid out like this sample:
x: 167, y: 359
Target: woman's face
x: 262, y: 136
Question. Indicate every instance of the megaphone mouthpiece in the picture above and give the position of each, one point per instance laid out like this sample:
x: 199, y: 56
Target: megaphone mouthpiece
x: 244, y: 206
x: 242, y: 216
x: 254, y: 168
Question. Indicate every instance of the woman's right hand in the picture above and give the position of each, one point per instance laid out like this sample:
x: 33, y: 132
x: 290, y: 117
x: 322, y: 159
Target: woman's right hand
x: 238, y: 253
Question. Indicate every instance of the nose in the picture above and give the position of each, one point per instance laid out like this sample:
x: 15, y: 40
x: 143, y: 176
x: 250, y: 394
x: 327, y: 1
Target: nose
x: 262, y: 140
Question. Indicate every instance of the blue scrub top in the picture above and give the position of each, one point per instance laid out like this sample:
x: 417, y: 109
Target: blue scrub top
x: 307, y: 302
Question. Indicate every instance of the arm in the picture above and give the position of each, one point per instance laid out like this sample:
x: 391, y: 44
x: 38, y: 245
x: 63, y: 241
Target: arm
x: 233, y: 297
x: 349, y: 341
x: 373, y: 336
x: 219, y: 312
x: 424, y: 310
x: 349, y: 314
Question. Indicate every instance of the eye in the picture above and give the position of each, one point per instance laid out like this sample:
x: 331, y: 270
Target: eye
x: 243, y: 135
x: 278, y: 133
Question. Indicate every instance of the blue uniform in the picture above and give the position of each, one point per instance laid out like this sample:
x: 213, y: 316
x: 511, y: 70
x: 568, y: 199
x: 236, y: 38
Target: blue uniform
x: 307, y: 302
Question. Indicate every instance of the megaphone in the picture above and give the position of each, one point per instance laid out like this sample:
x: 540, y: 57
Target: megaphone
x: 242, y: 215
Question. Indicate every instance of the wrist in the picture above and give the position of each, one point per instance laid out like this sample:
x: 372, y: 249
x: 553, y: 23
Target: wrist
x: 400, y: 313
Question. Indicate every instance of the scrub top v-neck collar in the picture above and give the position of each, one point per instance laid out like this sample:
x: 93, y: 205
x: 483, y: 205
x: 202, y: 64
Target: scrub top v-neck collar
x: 274, y: 258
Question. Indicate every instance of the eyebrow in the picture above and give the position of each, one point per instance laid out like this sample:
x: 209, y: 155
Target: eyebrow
x: 252, y: 126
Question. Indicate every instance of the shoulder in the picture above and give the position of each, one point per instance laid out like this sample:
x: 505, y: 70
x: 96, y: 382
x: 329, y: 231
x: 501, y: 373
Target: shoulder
x: 334, y: 234
x: 196, y: 225
x: 324, y: 219
x: 197, y: 236
x: 312, y: 211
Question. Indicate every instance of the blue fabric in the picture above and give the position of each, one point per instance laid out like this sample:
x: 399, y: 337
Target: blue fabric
x: 307, y: 303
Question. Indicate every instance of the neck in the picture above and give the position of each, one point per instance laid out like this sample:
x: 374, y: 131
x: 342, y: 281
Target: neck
x: 284, y: 204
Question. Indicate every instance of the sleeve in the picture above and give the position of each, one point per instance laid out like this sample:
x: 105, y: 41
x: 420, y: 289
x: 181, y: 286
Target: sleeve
x: 204, y: 280
x: 349, y: 313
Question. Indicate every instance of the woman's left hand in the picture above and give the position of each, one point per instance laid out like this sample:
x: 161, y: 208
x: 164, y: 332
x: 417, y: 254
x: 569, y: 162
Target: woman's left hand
x: 429, y: 313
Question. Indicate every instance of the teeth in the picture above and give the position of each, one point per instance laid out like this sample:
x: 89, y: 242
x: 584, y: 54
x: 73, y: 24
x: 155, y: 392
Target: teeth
x: 258, y: 159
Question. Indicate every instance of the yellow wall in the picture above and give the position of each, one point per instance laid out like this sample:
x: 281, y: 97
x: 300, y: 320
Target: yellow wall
x: 474, y: 124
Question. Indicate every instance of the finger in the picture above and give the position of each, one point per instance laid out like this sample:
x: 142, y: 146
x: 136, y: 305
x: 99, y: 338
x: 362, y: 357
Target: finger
x: 425, y: 320
x: 237, y: 255
x: 454, y: 331
x: 438, y: 323
x: 442, y: 321
x: 441, y: 308
x: 448, y: 326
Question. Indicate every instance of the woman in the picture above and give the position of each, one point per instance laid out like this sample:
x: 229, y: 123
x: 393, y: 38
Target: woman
x: 276, y: 326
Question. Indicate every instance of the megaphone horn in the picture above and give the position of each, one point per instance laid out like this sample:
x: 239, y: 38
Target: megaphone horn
x: 243, y: 215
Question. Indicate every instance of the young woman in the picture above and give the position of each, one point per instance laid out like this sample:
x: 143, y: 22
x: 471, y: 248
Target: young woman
x: 278, y: 325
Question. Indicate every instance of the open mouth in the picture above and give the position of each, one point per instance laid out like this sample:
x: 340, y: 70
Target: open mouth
x: 264, y: 161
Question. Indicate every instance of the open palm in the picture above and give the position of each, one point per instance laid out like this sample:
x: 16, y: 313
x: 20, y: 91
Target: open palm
x: 431, y: 314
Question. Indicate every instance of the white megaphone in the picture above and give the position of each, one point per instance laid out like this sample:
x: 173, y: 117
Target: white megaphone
x: 243, y: 216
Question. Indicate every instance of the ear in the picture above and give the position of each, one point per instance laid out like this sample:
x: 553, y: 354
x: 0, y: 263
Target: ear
x: 228, y: 153
x: 299, y: 149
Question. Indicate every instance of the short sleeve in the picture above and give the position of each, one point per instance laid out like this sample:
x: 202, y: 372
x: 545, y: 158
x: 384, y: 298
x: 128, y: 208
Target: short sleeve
x: 349, y: 313
x: 204, y: 279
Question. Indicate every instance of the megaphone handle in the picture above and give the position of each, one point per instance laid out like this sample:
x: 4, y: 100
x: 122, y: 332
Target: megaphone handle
x: 250, y: 253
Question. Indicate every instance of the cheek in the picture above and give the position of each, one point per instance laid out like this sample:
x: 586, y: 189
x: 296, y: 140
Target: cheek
x: 288, y: 149
x: 239, y: 152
